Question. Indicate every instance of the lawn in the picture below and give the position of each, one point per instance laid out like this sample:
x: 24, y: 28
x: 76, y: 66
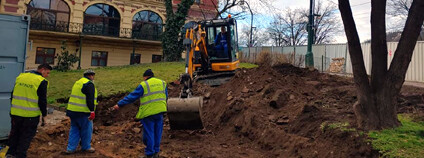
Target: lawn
x: 115, y: 79
x: 404, y: 141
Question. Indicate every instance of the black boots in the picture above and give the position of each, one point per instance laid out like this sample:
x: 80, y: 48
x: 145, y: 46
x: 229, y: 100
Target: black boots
x: 155, y: 155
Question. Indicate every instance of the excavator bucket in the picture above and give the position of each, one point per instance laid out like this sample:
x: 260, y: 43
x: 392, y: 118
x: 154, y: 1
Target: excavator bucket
x: 185, y: 113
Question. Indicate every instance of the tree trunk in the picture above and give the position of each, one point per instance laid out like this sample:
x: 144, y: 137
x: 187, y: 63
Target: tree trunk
x: 377, y: 110
x: 376, y: 107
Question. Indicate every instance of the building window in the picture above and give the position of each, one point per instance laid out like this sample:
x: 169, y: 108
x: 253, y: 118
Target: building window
x: 50, y: 15
x: 101, y: 19
x: 156, y: 58
x: 136, y: 59
x: 147, y: 25
x: 99, y: 58
x: 44, y: 56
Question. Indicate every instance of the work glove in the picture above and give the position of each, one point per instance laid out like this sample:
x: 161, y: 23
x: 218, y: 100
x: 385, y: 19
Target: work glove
x: 114, y: 108
x: 92, y: 115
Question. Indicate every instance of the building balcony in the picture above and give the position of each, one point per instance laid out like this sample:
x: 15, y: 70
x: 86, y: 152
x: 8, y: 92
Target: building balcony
x: 153, y: 34
x: 55, y: 26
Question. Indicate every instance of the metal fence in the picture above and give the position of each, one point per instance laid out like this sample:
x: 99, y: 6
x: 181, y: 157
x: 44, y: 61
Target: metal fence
x: 335, y: 57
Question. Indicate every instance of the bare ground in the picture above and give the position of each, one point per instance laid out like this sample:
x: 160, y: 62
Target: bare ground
x: 262, y: 112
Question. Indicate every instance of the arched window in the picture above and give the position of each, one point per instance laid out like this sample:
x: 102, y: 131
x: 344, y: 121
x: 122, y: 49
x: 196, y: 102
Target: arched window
x: 147, y: 25
x: 101, y: 19
x: 51, y: 15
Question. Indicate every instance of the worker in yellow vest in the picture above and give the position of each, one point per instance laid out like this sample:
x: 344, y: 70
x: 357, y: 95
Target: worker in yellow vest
x: 29, y: 101
x: 153, y: 95
x: 80, y: 109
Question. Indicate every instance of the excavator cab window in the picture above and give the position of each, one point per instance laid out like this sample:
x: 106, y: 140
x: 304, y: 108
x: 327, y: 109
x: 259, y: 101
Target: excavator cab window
x: 222, y: 42
x: 222, y: 47
x: 234, y: 42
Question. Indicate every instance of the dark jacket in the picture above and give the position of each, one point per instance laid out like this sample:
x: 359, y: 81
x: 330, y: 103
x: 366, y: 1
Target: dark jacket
x: 89, y: 90
x: 221, y: 39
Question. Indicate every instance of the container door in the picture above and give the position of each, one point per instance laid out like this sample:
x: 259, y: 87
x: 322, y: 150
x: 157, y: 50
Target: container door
x: 13, y: 44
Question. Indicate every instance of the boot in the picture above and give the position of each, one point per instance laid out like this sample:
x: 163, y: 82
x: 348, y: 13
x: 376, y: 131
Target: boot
x: 91, y: 150
x: 156, y: 155
x: 147, y: 156
x: 9, y: 156
x: 69, y: 152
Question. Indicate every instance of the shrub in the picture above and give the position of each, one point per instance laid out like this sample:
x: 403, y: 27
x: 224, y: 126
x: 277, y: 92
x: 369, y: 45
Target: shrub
x: 264, y: 59
x: 271, y: 59
x: 65, y: 60
x: 280, y: 59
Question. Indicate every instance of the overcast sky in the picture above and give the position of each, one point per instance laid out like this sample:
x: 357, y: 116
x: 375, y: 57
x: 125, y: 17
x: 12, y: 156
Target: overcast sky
x: 361, y: 11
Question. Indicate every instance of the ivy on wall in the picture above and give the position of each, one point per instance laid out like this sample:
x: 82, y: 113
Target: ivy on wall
x: 171, y: 43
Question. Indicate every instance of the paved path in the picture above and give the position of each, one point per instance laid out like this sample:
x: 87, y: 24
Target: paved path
x: 408, y: 83
x: 415, y: 84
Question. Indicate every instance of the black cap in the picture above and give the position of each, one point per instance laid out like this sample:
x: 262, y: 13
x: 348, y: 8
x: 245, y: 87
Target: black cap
x: 45, y: 66
x: 148, y: 72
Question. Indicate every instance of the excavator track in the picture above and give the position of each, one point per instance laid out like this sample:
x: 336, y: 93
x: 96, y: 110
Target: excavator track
x: 214, y: 79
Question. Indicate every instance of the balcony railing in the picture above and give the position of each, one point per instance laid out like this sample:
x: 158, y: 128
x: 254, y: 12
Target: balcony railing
x: 146, y: 35
x: 94, y: 29
x: 56, y: 26
x: 102, y: 30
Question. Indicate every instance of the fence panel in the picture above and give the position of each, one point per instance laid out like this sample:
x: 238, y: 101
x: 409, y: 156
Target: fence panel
x: 328, y: 54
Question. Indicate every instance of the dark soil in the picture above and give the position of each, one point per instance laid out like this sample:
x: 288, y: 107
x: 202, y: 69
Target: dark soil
x: 281, y: 111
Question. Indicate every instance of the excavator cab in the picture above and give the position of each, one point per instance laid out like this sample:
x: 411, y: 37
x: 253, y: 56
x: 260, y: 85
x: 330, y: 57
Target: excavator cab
x: 222, y: 47
x: 222, y: 55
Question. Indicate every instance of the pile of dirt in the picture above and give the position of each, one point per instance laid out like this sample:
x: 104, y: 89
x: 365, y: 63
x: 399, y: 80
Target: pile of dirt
x: 284, y: 109
x: 280, y: 111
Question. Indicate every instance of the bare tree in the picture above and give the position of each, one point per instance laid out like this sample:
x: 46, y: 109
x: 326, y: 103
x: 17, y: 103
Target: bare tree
x: 376, y: 107
x: 288, y: 28
x: 276, y: 31
x: 259, y: 37
x: 399, y: 8
x: 228, y: 6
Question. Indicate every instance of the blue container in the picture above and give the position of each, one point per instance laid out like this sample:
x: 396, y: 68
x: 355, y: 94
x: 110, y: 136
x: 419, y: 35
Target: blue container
x: 14, y: 32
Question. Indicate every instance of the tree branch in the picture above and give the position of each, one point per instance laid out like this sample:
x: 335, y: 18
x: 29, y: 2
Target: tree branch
x: 378, y: 44
x: 355, y: 51
x: 217, y: 11
x: 405, y: 48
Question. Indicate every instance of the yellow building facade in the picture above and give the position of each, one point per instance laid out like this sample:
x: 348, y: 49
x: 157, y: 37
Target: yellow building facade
x: 101, y: 32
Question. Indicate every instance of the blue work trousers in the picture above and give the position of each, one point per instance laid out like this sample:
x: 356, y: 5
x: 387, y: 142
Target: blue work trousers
x: 81, y: 129
x: 152, y: 133
x: 222, y: 50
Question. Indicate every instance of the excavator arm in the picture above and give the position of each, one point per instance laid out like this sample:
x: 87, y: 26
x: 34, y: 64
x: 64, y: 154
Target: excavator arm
x: 195, y: 44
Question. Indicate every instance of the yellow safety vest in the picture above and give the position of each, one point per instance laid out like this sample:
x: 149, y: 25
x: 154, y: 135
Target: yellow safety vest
x: 25, y: 97
x: 153, y: 100
x: 77, y: 101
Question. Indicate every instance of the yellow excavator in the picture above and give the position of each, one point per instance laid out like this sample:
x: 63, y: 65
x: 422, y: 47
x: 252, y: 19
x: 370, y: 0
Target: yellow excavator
x: 208, y: 61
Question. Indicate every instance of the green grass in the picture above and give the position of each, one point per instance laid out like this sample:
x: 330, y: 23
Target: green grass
x: 342, y: 126
x: 247, y: 65
x: 404, y: 141
x: 115, y: 79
